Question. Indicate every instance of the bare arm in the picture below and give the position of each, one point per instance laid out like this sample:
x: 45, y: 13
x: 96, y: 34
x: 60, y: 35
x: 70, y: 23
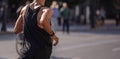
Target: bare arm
x: 18, y: 28
x: 45, y: 19
x: 18, y: 25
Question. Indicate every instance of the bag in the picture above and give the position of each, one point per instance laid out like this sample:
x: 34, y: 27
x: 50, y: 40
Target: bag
x: 20, y: 43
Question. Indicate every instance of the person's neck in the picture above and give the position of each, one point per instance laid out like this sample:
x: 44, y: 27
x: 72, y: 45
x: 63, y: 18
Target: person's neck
x: 35, y: 4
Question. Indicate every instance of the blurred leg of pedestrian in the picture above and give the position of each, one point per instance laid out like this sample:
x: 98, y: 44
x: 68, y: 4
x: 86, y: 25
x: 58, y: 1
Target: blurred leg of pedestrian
x: 59, y: 21
x: 67, y: 25
x: 117, y: 22
x: 103, y: 20
x: 53, y: 23
x: 63, y: 26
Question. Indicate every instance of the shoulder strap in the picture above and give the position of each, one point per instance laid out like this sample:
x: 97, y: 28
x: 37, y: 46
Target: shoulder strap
x: 24, y: 11
x: 23, y: 15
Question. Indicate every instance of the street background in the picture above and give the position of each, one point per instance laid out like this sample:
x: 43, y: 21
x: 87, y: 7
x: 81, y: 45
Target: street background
x: 88, y: 38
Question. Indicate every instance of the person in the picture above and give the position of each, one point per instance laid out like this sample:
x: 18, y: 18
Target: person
x: 117, y: 19
x: 98, y: 20
x: 77, y: 14
x: 1, y: 13
x: 55, y: 15
x: 102, y: 15
x: 65, y: 14
x: 34, y: 22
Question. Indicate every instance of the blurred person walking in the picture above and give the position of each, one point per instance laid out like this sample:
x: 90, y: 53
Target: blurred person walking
x: 34, y: 22
x: 117, y: 19
x: 65, y: 14
x: 1, y: 13
x: 102, y: 15
x: 55, y: 15
x: 3, y: 16
x: 97, y: 18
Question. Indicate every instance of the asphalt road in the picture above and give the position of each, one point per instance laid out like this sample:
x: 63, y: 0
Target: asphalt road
x: 76, y: 45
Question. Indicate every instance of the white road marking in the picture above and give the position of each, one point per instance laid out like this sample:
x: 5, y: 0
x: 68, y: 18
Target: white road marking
x: 85, y: 45
x: 116, y: 49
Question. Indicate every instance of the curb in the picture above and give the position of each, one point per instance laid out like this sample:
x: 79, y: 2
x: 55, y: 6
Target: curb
x: 8, y: 32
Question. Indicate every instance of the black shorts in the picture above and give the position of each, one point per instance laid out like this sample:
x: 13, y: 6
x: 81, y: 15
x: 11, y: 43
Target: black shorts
x: 37, y: 53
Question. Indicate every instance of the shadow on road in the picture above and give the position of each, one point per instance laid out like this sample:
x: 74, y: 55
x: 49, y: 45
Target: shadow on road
x: 99, y: 31
x: 3, y: 58
x: 53, y: 57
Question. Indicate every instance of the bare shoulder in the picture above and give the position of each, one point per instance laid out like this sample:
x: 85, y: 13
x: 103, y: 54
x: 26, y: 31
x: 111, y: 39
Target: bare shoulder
x: 47, y: 10
x: 23, y: 10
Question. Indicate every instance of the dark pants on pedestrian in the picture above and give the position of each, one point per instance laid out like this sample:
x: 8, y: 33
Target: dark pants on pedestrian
x: 117, y: 22
x: 66, y: 25
x: 103, y: 20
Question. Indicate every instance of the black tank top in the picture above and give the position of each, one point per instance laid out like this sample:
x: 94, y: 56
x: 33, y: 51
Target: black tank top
x: 34, y: 35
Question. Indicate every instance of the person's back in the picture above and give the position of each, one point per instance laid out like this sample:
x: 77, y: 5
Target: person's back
x: 65, y: 13
x: 37, y: 37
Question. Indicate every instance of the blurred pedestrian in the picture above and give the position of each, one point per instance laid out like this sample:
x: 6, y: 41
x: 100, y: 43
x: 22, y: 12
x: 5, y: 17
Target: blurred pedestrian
x: 117, y: 19
x: 34, y: 22
x: 102, y: 15
x: 65, y: 14
x: 98, y: 20
x: 87, y: 14
x: 3, y: 16
x: 55, y: 15
x: 1, y: 13
x: 77, y: 14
